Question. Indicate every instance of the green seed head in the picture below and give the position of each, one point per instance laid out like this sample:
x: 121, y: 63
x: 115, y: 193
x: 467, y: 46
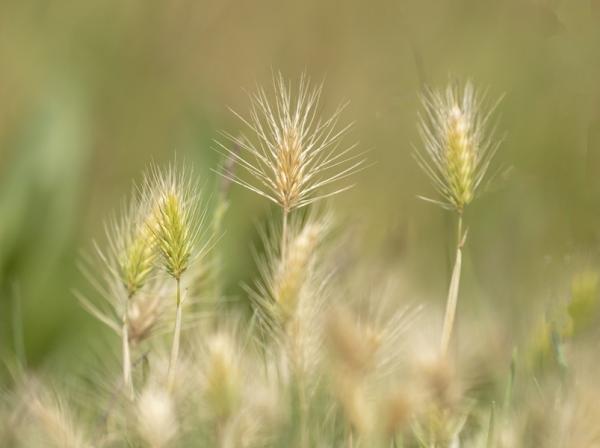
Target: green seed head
x: 175, y: 222
x: 457, y: 145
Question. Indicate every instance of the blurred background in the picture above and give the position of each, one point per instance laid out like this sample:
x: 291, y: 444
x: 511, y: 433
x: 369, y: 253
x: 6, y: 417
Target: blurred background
x: 91, y: 92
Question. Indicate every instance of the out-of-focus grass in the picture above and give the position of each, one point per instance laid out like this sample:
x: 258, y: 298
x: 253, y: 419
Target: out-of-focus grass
x: 90, y: 92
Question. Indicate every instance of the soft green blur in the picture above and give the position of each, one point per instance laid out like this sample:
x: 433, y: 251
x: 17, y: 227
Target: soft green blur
x: 92, y: 91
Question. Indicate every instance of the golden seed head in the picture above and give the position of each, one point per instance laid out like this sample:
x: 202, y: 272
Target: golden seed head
x: 293, y: 270
x: 52, y: 424
x: 457, y: 146
x: 351, y: 344
x: 292, y: 152
x: 222, y: 377
x: 398, y: 409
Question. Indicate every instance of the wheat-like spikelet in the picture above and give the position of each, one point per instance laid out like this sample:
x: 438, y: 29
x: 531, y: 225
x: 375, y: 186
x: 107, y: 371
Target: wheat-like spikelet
x: 293, y: 152
x: 285, y: 276
x: 458, y: 149
x: 132, y: 245
x: 156, y: 420
x: 51, y: 422
x: 128, y: 264
x: 222, y: 377
x: 177, y: 225
x: 177, y: 217
x: 295, y: 268
x: 365, y: 355
x: 458, y: 146
x: 289, y: 301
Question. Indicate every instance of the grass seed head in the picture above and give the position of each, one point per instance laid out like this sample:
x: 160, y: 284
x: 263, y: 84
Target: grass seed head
x: 458, y: 147
x: 157, y: 423
x: 176, y: 220
x: 51, y: 423
x: 353, y: 346
x: 294, y: 269
x: 134, y: 247
x: 292, y: 153
x: 222, y: 386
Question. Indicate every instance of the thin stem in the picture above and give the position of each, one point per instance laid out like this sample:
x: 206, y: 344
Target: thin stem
x: 303, y: 405
x: 176, y: 337
x: 18, y: 327
x: 284, y: 234
x: 453, y: 291
x: 126, y: 354
x: 300, y: 389
x: 459, y: 235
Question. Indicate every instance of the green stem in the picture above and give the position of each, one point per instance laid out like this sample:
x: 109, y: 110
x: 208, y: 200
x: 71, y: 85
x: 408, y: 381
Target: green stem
x: 176, y: 337
x: 452, y: 299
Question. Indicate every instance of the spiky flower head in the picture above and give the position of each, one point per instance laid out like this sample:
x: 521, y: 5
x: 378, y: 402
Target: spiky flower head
x: 458, y: 147
x: 292, y: 153
x: 222, y: 376
x: 129, y: 258
x: 286, y: 279
x: 156, y: 419
x: 132, y: 246
x: 294, y: 268
x: 176, y: 217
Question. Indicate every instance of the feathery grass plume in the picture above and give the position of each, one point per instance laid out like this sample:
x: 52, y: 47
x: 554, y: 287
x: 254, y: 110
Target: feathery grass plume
x: 365, y: 354
x: 132, y: 244
x: 129, y: 261
x: 50, y: 422
x: 294, y: 269
x: 156, y: 420
x: 221, y: 377
x: 445, y: 410
x: 237, y: 403
x: 286, y: 278
x: 223, y: 381
x: 288, y: 302
x: 458, y: 149
x: 177, y: 226
x: 293, y: 153
x: 458, y: 144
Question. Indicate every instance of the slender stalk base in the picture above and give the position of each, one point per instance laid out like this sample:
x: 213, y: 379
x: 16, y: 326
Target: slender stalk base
x: 176, y: 337
x: 127, y: 382
x: 284, y: 234
x: 303, y: 413
x: 452, y: 299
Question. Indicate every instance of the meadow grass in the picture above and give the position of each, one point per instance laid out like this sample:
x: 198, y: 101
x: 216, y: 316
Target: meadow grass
x: 325, y: 358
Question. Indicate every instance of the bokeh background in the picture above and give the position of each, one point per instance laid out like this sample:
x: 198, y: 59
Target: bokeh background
x: 92, y: 91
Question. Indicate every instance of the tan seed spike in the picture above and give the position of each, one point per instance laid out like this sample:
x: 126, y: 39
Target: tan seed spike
x: 291, y: 153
